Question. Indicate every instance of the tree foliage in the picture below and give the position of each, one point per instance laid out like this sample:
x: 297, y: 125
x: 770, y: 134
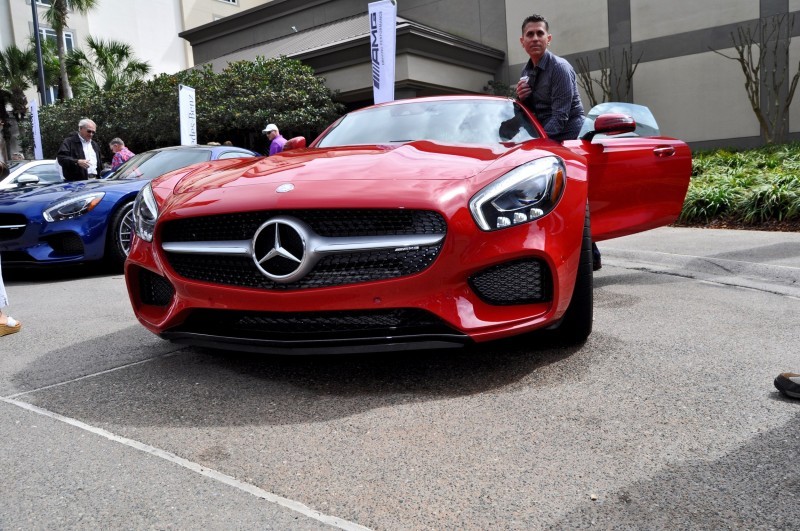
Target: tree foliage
x: 17, y: 73
x: 106, y: 65
x: 234, y: 105
x: 57, y: 15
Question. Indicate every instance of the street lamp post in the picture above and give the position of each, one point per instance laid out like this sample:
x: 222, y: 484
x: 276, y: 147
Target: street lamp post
x: 40, y: 63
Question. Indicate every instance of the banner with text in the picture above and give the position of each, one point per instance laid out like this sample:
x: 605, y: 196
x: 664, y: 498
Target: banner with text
x: 188, y: 115
x: 382, y: 40
x: 37, y: 132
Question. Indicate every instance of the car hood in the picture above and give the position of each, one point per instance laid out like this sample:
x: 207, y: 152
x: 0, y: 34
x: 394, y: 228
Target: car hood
x: 46, y: 194
x: 416, y: 161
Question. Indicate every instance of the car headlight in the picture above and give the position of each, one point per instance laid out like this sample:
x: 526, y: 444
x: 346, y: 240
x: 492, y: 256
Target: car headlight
x: 145, y: 213
x: 524, y: 194
x: 73, y: 207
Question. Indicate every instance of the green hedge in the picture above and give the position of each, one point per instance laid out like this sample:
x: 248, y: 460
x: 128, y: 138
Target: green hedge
x: 747, y: 187
x: 234, y: 105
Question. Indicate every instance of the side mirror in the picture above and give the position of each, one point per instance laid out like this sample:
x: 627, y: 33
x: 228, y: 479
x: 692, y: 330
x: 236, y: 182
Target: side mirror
x: 298, y: 142
x: 26, y: 178
x: 611, y: 124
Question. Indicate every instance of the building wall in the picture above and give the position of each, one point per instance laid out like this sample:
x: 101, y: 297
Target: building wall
x: 199, y: 12
x: 151, y: 27
x: 653, y: 18
x: 481, y: 21
x: 6, y: 26
x: 571, y: 34
x: 695, y: 106
x: 153, y: 38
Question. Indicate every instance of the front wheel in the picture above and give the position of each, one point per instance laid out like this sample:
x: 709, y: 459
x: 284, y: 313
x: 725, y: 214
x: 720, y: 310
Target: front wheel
x: 120, y: 235
x: 576, y: 325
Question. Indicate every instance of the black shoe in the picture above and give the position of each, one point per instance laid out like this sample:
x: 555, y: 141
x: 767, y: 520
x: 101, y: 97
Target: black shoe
x: 788, y: 383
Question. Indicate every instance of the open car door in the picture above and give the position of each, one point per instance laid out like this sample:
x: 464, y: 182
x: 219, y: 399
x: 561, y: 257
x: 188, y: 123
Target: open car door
x: 637, y: 179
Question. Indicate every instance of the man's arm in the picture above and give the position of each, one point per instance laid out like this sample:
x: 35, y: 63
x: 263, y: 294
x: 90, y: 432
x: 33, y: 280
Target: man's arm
x: 64, y: 155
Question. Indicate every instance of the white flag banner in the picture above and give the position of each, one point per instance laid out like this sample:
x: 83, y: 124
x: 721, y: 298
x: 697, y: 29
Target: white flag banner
x: 37, y: 132
x: 188, y: 115
x: 382, y: 46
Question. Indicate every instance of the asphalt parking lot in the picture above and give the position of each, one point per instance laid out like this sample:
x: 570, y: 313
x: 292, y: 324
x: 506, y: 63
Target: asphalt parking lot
x: 665, y: 418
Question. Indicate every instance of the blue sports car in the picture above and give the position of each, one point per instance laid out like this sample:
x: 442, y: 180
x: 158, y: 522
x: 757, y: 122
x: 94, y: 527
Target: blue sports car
x: 82, y: 221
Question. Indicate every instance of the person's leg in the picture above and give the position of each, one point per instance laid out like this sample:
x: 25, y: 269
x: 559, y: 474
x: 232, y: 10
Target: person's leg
x: 788, y: 383
x: 7, y: 323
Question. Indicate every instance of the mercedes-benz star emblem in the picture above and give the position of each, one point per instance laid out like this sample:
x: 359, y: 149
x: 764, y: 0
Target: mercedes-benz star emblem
x: 280, y: 249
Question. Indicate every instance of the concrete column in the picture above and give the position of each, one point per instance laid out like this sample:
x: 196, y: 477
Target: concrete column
x: 774, y: 40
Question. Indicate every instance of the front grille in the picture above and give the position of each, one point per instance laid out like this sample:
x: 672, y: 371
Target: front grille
x: 332, y: 270
x: 12, y: 226
x: 66, y: 243
x: 154, y: 289
x: 518, y: 282
x: 329, y: 223
x: 314, y: 326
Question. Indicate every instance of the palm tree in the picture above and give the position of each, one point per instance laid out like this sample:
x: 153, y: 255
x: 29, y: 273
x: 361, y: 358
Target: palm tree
x: 57, y: 15
x: 17, y: 74
x: 109, y: 64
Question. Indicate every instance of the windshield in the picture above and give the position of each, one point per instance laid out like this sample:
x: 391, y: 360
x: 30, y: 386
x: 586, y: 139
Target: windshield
x: 153, y: 164
x: 463, y: 121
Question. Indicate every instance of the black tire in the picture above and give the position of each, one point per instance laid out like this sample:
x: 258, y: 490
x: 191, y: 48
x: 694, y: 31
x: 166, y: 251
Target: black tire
x: 120, y: 233
x: 576, y: 325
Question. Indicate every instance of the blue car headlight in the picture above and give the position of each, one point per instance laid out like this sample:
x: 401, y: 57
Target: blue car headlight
x: 73, y: 207
x: 145, y: 213
x: 526, y: 193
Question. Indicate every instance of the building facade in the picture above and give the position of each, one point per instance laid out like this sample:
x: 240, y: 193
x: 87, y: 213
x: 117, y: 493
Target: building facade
x: 464, y: 46
x: 446, y: 46
x: 151, y: 27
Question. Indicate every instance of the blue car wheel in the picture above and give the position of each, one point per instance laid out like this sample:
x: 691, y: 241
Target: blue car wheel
x: 120, y: 234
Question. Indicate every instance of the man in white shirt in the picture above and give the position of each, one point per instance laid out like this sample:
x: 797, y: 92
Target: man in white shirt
x: 79, y: 154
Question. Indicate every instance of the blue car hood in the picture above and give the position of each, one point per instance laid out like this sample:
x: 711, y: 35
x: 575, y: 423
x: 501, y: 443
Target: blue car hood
x: 50, y: 193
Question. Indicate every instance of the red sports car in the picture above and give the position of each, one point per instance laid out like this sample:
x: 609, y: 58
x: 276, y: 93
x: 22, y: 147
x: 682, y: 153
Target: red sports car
x: 422, y: 223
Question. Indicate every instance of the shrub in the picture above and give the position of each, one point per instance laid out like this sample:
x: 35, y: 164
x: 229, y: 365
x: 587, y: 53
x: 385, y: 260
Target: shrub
x: 234, y: 105
x: 748, y: 187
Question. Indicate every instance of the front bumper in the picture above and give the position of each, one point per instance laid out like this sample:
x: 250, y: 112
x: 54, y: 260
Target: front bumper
x: 35, y: 242
x: 466, y: 295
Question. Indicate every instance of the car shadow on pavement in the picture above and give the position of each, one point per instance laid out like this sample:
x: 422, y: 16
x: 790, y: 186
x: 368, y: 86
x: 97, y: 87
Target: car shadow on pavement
x: 754, y: 487
x: 35, y: 275
x: 201, y: 387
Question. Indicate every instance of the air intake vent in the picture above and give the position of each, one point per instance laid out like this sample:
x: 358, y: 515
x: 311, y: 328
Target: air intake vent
x: 518, y: 282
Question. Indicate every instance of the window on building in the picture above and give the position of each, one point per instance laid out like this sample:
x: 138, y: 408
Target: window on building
x: 234, y: 2
x: 44, y: 2
x: 50, y: 35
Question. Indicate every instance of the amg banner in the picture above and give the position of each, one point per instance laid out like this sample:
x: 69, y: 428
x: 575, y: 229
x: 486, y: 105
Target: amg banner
x: 382, y: 35
x: 37, y: 132
x: 188, y: 115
